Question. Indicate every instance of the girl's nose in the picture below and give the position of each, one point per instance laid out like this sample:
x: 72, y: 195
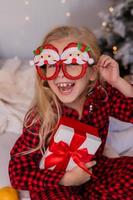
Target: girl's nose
x: 61, y: 74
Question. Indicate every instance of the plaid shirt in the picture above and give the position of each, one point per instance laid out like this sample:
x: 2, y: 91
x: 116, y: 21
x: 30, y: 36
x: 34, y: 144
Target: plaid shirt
x: 25, y: 173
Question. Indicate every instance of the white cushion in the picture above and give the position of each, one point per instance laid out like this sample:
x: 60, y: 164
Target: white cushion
x: 7, y: 141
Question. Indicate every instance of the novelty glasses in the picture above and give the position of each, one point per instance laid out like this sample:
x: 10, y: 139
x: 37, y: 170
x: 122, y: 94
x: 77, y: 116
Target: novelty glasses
x: 73, y: 61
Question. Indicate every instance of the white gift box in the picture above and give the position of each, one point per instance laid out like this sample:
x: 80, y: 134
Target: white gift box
x: 66, y: 134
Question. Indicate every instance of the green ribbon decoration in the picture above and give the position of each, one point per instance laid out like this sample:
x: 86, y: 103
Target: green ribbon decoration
x: 79, y: 46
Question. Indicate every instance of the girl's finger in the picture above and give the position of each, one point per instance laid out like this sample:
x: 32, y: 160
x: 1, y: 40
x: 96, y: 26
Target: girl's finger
x: 91, y: 164
x: 106, y: 61
x: 102, y: 59
x: 110, y: 62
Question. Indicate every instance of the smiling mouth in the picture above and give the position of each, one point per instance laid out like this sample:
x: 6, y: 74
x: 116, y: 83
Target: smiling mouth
x: 65, y: 88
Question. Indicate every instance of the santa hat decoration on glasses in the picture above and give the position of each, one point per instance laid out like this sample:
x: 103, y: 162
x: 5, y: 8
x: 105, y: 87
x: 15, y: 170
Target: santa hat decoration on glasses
x: 46, y: 55
x: 73, y: 53
x: 77, y: 53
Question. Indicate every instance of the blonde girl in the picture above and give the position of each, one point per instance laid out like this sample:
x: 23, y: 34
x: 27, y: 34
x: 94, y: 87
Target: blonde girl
x: 73, y: 80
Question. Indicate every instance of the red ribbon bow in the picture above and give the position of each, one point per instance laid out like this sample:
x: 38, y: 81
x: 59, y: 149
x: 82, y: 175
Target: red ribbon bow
x: 62, y: 152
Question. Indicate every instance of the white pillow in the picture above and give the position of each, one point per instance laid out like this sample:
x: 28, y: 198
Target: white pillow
x: 17, y: 89
x: 120, y: 136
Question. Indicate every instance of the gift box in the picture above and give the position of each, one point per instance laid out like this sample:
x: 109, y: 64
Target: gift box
x: 74, y: 143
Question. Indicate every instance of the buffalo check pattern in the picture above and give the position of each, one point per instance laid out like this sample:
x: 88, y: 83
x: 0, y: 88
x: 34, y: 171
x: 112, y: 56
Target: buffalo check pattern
x: 114, y: 176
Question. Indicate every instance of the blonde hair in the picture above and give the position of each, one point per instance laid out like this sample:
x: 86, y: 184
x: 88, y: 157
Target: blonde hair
x: 45, y: 103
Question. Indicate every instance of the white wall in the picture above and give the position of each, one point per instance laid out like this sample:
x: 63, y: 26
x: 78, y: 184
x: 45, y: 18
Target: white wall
x: 19, y: 37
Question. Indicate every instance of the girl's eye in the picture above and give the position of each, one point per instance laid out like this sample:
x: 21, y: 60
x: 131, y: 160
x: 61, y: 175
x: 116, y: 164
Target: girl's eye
x: 43, y: 66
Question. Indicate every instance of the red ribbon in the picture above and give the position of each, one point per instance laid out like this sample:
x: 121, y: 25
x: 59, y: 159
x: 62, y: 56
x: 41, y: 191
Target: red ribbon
x: 62, y: 152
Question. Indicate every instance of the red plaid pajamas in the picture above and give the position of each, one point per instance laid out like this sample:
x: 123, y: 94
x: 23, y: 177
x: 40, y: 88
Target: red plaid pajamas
x: 114, y: 176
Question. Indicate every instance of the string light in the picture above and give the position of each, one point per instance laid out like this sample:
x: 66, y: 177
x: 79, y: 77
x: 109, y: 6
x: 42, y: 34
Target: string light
x: 27, y: 18
x: 115, y: 49
x: 63, y: 1
x: 104, y: 24
x: 68, y: 14
x: 26, y: 2
x: 111, y: 9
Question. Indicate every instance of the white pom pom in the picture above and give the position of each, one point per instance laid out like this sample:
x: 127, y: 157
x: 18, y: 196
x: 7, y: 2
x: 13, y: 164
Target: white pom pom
x: 91, y: 61
x: 31, y: 62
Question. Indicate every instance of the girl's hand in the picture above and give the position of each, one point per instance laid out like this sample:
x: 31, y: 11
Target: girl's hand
x: 77, y: 176
x: 109, y: 69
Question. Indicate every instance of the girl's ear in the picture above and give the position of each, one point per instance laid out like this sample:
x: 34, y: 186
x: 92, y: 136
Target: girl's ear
x: 94, y: 72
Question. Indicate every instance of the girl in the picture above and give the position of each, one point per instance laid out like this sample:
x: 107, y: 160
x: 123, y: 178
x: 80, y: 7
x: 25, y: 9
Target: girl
x: 73, y: 80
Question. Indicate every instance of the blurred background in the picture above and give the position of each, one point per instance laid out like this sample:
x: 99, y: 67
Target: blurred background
x: 24, y: 24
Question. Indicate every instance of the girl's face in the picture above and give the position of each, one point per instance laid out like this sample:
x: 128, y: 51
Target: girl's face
x: 68, y: 91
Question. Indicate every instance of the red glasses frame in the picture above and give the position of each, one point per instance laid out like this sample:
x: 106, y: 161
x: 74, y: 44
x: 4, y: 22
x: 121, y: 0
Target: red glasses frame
x: 60, y: 65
